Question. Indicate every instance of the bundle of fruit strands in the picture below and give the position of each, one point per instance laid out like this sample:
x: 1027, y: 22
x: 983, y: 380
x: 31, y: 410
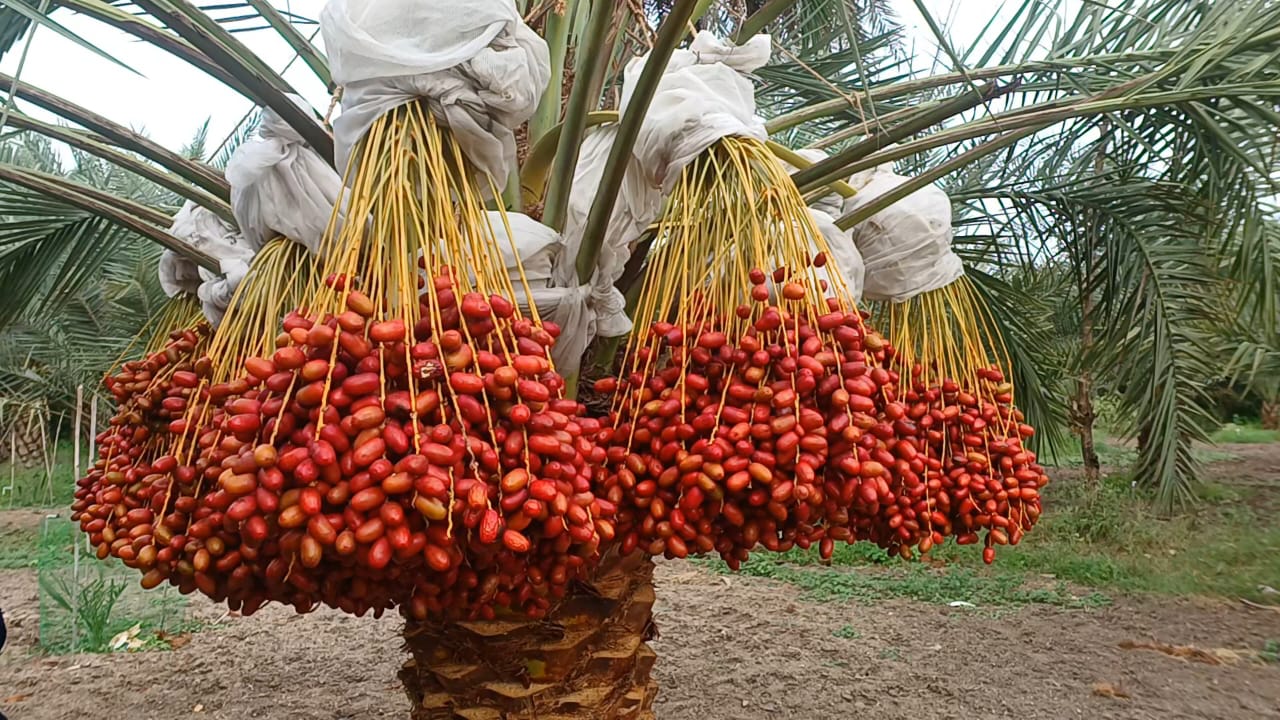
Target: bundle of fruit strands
x: 726, y: 397
x: 718, y: 440
x: 530, y: 251
x: 703, y: 96
x: 407, y: 442
x: 144, y: 487
x: 955, y: 397
x: 138, y: 502
x: 111, y: 504
x: 114, y: 499
x: 825, y: 209
x: 118, y: 501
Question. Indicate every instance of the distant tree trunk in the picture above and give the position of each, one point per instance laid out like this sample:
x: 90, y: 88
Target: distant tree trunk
x: 22, y: 439
x: 1271, y: 414
x: 1082, y: 408
x: 1084, y: 416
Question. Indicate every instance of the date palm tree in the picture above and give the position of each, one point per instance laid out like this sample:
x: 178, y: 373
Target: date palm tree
x: 1115, y: 157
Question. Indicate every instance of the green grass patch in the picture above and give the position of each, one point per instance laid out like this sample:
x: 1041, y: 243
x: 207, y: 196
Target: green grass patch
x: 1245, y: 433
x: 1110, y: 538
x: 984, y: 587
x: 847, y: 632
x: 1116, y: 454
x: 1110, y: 453
x: 36, y: 486
x: 1089, y: 543
x: 85, y: 606
x: 1270, y: 652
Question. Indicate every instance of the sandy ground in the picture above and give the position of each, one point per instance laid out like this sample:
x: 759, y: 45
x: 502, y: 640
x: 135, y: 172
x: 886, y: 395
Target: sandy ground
x: 731, y: 648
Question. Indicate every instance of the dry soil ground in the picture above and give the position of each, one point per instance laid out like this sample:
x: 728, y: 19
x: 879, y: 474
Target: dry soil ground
x: 731, y: 648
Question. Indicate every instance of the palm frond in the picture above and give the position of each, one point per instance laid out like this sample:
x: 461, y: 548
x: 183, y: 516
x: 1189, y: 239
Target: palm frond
x: 120, y: 136
x: 120, y: 211
x: 196, y: 147
x: 48, y: 256
x: 38, y: 13
x: 1154, y: 287
x: 264, y: 85
x: 86, y: 142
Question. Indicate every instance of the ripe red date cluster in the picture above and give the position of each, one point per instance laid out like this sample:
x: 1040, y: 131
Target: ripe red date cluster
x: 372, y: 462
x: 959, y: 465
x: 120, y: 500
x: 368, y: 464
x: 793, y: 429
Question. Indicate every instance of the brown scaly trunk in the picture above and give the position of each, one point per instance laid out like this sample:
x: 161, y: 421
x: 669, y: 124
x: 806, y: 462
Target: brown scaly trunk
x: 1271, y: 414
x: 589, y: 660
x: 1084, y: 415
x: 22, y: 440
x: 1082, y: 407
x: 1144, y: 438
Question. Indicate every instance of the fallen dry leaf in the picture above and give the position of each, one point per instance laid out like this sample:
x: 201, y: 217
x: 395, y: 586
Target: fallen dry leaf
x: 1212, y: 656
x: 1106, y: 689
x: 14, y: 699
x: 1186, y: 652
x: 197, y: 709
x: 174, y: 641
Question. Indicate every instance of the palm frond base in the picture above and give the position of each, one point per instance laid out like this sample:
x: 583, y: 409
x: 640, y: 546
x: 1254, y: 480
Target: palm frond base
x: 588, y: 660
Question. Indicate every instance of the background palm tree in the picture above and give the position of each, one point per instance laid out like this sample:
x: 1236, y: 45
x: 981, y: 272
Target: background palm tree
x: 1111, y: 165
x: 79, y: 288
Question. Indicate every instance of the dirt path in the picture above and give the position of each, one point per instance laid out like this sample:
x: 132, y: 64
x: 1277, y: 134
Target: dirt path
x: 747, y: 648
x: 732, y: 648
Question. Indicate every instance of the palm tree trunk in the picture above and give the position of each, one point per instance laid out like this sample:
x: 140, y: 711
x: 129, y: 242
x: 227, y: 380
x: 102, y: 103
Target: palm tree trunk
x: 1082, y: 409
x: 1271, y: 414
x: 589, y: 660
x: 1085, y: 417
x: 22, y: 439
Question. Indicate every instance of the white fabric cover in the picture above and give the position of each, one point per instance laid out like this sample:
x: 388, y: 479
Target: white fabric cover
x: 480, y: 68
x: 638, y: 205
x: 202, y: 230
x: 539, y: 247
x: 280, y: 186
x: 906, y: 246
x: 831, y: 204
x: 703, y: 96
x: 178, y: 274
x: 217, y: 290
x: 844, y: 257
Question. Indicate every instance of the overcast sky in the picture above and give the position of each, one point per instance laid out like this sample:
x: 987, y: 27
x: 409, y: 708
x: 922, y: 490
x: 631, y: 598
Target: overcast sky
x: 171, y: 99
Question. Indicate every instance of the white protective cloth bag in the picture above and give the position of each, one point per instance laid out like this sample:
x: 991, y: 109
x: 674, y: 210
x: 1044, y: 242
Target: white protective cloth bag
x: 831, y: 204
x: 906, y: 246
x: 538, y: 247
x: 178, y: 274
x: 280, y: 186
x: 844, y: 254
x: 201, y: 229
x: 481, y: 70
x: 703, y: 96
